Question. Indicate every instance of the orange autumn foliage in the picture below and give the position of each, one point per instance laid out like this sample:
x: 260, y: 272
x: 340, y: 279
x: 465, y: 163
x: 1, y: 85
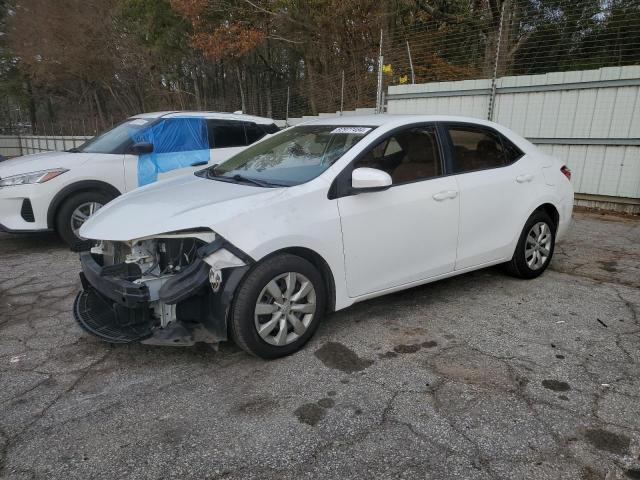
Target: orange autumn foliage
x: 232, y: 41
x: 221, y: 38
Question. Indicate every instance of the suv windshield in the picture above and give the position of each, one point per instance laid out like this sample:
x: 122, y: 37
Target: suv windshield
x: 291, y: 157
x: 115, y: 140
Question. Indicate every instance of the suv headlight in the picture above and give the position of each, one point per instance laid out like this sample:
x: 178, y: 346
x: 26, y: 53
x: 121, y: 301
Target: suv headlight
x: 32, y: 177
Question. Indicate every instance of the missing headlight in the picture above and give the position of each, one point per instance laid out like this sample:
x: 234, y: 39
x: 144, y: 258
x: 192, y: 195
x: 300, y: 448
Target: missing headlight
x: 175, y: 254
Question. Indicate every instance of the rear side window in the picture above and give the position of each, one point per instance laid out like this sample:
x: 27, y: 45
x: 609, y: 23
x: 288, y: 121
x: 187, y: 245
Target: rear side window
x: 476, y: 148
x: 225, y: 134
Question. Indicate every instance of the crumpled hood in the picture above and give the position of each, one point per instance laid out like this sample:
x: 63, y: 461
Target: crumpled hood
x: 179, y: 203
x: 43, y: 161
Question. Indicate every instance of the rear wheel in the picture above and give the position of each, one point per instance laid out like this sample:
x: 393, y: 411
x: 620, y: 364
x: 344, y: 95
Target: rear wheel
x: 535, y: 247
x: 75, y: 211
x: 278, y: 307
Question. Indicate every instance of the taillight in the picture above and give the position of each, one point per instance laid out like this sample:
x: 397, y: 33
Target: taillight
x: 566, y: 172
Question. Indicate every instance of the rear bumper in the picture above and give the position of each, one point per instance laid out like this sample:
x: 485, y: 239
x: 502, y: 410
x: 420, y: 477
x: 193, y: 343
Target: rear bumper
x: 566, y: 212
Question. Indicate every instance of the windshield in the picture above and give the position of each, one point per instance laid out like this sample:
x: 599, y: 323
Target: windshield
x: 291, y: 157
x: 115, y: 140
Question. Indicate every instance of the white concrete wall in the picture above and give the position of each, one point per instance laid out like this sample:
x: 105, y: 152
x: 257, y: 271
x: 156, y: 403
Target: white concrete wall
x: 9, y: 145
x: 13, y: 145
x: 590, y: 119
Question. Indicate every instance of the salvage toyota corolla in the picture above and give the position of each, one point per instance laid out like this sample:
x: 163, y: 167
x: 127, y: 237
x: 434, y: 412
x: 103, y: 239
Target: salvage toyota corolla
x: 311, y: 220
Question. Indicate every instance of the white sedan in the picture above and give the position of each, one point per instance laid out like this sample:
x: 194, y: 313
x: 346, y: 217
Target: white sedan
x: 60, y: 190
x: 314, y: 219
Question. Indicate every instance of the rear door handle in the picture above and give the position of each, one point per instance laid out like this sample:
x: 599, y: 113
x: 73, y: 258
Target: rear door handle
x: 444, y: 195
x: 524, y: 178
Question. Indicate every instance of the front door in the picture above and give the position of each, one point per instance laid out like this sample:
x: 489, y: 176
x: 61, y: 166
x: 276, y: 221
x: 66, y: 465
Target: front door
x: 408, y: 232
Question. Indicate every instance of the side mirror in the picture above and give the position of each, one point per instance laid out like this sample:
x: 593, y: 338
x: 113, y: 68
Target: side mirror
x: 370, y: 180
x: 141, y: 148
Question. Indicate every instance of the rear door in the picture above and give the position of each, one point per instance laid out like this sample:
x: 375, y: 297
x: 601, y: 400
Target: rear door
x: 226, y: 138
x: 497, y: 184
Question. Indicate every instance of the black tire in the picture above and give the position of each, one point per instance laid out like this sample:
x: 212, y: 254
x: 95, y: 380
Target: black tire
x: 63, y: 216
x: 242, y: 320
x: 518, y: 266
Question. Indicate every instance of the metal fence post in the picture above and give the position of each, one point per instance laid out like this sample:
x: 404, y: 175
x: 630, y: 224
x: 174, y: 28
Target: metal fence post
x: 379, y: 88
x: 413, y: 75
x: 286, y: 118
x: 342, y: 95
x: 64, y: 141
x: 19, y: 137
x: 492, y: 99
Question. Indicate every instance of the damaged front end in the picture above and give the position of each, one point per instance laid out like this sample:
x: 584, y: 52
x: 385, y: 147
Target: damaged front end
x: 170, y: 289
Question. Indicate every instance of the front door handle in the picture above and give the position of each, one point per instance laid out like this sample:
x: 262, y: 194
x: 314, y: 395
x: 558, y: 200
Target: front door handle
x: 527, y: 177
x: 444, y: 195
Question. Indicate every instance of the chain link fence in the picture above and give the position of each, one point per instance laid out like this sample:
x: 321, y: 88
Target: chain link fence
x: 522, y: 37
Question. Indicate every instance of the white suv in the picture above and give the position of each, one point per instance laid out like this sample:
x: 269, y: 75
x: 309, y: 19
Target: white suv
x: 60, y: 190
x: 313, y: 219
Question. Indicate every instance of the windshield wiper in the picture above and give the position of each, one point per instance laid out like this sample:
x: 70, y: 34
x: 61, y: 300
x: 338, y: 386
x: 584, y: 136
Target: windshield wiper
x: 211, y: 174
x: 241, y: 178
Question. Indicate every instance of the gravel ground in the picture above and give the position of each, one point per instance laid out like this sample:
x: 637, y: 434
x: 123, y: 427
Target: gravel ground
x: 479, y: 376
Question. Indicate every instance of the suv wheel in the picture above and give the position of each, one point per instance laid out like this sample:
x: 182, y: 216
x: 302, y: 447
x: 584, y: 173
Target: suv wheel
x: 278, y: 307
x: 75, y: 211
x: 535, y: 247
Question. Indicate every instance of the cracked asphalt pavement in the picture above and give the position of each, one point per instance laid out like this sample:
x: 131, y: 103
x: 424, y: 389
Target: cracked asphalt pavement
x: 482, y: 376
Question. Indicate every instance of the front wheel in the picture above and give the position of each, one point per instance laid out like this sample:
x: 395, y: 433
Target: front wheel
x: 75, y: 211
x: 278, y: 307
x: 535, y: 247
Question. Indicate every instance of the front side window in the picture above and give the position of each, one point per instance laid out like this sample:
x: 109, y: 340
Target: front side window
x: 177, y: 143
x: 408, y: 156
x: 291, y: 157
x: 475, y: 148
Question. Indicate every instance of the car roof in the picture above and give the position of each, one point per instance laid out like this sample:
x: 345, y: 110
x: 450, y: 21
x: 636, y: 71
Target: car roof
x: 211, y: 115
x: 379, y: 120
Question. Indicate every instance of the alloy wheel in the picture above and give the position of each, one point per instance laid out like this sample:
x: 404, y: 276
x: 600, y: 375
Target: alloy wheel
x: 81, y: 214
x: 538, y: 246
x: 285, y: 308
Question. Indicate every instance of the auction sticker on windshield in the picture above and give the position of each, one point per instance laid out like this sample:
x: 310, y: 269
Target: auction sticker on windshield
x: 352, y: 130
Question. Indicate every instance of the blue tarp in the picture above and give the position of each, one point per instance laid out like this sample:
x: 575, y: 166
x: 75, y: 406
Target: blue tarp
x: 177, y: 143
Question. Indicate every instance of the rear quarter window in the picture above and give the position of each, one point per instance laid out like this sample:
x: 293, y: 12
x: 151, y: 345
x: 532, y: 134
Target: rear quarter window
x: 512, y: 153
x: 254, y: 132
